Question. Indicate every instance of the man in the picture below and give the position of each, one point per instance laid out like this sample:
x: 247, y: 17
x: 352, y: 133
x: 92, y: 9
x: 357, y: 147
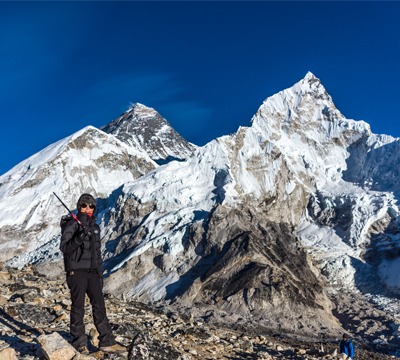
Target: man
x: 346, y: 348
x: 81, y: 246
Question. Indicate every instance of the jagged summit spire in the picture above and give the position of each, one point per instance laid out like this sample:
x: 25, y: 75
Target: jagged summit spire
x: 306, y: 96
x: 312, y: 85
x: 140, y: 109
x: 310, y: 76
x: 134, y: 105
x: 138, y: 113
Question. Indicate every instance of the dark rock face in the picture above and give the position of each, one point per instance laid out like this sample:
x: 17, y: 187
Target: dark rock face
x: 257, y: 270
x: 32, y: 313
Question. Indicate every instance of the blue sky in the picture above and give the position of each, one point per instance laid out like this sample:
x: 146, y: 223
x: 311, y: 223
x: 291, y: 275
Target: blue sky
x: 205, y: 66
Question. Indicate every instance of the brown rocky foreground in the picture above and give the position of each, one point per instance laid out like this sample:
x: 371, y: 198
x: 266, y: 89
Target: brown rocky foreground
x: 34, y: 316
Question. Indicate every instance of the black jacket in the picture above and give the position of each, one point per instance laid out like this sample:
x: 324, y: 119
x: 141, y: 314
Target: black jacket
x: 81, y: 246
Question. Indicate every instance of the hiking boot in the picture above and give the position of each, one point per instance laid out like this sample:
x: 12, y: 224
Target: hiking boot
x: 116, y: 348
x: 83, y: 350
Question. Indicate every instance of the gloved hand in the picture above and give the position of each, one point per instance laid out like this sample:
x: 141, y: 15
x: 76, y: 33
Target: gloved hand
x: 83, y: 233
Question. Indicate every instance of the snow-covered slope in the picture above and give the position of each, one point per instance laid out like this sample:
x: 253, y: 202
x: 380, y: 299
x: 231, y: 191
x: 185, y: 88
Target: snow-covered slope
x: 146, y: 130
x: 87, y: 161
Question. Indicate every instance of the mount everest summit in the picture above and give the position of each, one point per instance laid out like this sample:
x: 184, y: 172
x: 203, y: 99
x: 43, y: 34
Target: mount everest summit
x: 263, y: 228
x: 147, y: 131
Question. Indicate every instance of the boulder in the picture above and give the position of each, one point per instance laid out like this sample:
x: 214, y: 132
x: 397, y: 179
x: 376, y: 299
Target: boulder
x: 55, y: 347
x: 8, y: 354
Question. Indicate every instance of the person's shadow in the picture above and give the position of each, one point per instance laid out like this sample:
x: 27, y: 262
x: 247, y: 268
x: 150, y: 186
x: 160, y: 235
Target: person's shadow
x: 25, y: 348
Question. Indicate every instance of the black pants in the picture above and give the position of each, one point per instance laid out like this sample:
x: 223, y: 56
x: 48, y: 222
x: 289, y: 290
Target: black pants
x: 80, y: 283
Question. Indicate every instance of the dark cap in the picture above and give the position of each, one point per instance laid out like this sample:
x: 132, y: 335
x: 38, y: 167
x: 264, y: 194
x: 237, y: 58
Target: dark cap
x: 86, y: 199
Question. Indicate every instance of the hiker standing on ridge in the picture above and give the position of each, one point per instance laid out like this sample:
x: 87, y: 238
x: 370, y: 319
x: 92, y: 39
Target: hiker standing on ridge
x: 81, y: 246
x: 346, y: 348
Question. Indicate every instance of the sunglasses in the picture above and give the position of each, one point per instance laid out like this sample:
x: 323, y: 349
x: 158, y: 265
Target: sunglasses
x: 83, y: 206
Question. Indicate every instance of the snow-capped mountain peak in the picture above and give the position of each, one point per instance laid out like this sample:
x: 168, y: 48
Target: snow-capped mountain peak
x: 145, y: 129
x: 307, y: 96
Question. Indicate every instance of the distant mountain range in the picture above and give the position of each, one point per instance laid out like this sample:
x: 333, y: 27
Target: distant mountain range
x: 264, y: 227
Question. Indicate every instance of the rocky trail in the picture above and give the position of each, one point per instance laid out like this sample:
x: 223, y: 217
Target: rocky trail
x: 34, y: 316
